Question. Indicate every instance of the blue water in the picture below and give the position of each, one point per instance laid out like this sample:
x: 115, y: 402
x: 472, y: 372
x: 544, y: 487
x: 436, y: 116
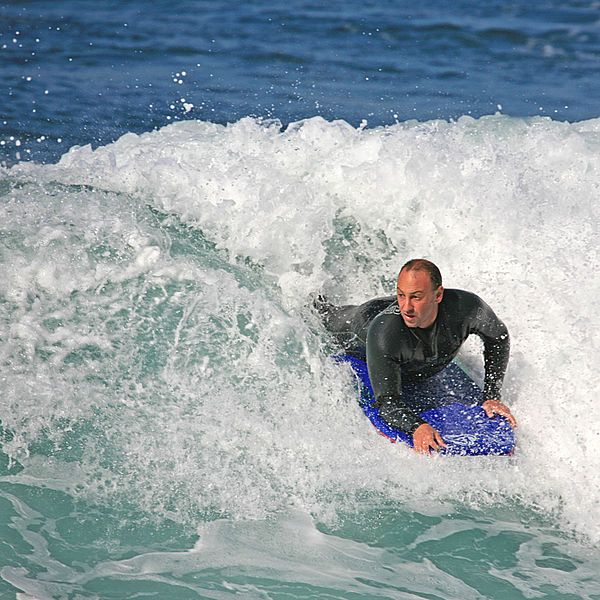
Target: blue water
x: 88, y: 74
x: 175, y: 180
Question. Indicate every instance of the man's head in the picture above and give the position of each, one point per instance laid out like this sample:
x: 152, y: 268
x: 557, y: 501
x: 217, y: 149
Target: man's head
x: 419, y: 292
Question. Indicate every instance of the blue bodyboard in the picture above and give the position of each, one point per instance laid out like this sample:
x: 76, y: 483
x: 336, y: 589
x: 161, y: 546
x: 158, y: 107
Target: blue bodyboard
x: 465, y: 428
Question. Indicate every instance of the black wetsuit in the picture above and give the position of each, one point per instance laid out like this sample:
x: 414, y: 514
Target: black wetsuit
x: 395, y: 353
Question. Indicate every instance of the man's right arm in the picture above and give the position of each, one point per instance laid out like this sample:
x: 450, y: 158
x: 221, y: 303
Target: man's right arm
x: 386, y: 380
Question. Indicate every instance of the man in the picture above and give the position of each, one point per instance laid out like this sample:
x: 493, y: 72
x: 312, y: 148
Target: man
x: 410, y: 341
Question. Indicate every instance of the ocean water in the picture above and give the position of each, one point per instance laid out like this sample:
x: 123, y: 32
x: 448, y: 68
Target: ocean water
x: 171, y: 424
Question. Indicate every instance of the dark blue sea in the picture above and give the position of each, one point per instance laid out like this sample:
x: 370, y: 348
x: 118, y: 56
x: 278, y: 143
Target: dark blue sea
x: 88, y: 72
x: 176, y: 179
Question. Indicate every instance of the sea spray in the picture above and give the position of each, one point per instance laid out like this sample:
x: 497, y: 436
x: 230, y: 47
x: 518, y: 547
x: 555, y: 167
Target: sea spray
x: 161, y: 285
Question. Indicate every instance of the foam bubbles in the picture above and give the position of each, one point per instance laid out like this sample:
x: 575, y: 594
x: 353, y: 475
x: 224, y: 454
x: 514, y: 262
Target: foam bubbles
x: 215, y: 237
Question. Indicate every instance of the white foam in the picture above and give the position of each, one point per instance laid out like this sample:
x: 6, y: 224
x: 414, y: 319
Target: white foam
x: 507, y: 208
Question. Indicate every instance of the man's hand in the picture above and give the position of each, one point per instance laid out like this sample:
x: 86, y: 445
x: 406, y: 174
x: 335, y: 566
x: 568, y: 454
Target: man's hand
x: 426, y: 437
x: 495, y: 407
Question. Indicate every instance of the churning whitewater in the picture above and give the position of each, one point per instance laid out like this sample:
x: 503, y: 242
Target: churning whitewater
x: 159, y: 335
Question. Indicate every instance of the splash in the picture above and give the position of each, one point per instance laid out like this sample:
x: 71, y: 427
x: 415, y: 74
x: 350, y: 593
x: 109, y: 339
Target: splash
x: 154, y: 298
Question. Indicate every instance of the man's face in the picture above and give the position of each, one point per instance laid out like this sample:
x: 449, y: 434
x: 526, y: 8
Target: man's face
x: 417, y: 299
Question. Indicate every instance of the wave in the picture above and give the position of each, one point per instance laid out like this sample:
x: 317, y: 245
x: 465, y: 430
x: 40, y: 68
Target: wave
x: 154, y: 297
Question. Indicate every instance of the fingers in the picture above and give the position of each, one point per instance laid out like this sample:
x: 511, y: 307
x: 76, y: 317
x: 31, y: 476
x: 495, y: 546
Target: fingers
x: 426, y: 447
x: 511, y: 420
x: 503, y: 411
x: 494, y: 407
x: 426, y: 438
x: 490, y: 410
x: 422, y: 449
x: 439, y: 440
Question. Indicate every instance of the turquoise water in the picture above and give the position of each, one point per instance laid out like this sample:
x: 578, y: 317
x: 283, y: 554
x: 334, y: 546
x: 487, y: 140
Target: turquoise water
x: 73, y: 549
x: 172, y: 424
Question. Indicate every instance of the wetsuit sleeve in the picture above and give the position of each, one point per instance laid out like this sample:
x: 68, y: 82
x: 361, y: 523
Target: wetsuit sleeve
x: 496, y: 348
x: 348, y: 324
x: 386, y: 380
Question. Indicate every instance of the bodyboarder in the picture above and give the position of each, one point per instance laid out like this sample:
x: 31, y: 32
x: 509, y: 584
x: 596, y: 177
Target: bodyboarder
x: 409, y: 342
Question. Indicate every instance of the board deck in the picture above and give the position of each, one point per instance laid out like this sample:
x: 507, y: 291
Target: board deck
x: 465, y: 428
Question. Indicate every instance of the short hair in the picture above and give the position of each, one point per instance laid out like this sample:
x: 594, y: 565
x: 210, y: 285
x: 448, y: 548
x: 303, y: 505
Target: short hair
x: 422, y: 264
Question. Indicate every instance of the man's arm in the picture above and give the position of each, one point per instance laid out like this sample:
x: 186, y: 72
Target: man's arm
x: 386, y: 380
x: 496, y: 350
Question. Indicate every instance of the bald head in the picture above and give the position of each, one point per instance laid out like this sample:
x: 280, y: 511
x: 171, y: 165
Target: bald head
x: 419, y: 292
x: 422, y: 264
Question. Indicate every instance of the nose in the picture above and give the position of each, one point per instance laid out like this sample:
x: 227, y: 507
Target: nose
x: 406, y: 305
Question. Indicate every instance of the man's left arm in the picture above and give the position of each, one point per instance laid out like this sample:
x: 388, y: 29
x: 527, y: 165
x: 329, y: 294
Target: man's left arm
x: 496, y: 350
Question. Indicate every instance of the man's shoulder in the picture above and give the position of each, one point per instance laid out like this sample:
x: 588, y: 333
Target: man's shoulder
x: 468, y: 309
x: 389, y: 315
x: 388, y: 322
x: 392, y: 309
x: 461, y: 298
x: 462, y: 307
x: 387, y: 331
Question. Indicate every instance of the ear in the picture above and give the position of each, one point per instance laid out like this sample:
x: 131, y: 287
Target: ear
x: 439, y: 294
